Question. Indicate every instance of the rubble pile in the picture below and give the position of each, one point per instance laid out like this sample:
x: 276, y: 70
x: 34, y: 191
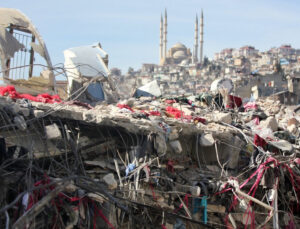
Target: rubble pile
x: 153, y: 163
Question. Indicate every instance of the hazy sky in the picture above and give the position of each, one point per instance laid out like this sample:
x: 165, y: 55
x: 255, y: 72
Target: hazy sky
x: 129, y: 30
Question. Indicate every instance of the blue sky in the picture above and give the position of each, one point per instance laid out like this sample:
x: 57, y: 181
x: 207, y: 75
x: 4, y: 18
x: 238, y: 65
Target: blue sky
x: 129, y: 30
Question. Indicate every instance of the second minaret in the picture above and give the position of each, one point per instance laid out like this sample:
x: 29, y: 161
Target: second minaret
x: 165, y: 34
x: 195, y: 53
x: 201, y: 38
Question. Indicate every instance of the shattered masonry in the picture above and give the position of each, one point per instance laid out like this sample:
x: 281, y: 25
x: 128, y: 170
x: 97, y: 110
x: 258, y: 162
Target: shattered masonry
x: 208, y: 161
x: 200, y: 168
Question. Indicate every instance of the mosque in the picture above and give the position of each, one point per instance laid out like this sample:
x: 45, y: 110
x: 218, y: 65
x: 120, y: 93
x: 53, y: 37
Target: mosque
x: 179, y: 54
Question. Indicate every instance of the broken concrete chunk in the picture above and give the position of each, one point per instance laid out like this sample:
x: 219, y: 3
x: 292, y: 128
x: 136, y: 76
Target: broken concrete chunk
x: 14, y: 108
x: 96, y: 197
x: 52, y: 131
x: 293, y: 121
x: 129, y: 102
x: 282, y: 145
x: 160, y: 144
x: 173, y: 135
x: 207, y: 140
x: 176, y: 146
x: 292, y: 129
x: 110, y: 181
x: 195, y: 190
x: 223, y: 117
x: 20, y: 122
x: 270, y: 122
x: 25, y: 111
x: 48, y: 75
x: 38, y: 113
x: 71, y: 188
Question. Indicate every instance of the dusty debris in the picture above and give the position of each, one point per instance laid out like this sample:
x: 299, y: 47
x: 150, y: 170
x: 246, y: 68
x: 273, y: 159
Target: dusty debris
x: 222, y: 117
x: 135, y: 163
x: 110, y: 181
x: 52, y: 131
x: 270, y: 122
x: 206, y: 161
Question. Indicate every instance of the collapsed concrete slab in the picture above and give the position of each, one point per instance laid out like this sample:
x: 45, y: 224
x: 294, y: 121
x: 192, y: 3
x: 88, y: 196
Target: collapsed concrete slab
x: 157, y: 160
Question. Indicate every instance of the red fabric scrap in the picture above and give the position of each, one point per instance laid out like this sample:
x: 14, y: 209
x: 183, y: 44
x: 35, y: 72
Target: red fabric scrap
x: 155, y: 113
x: 198, y: 119
x: 174, y: 112
x: 121, y: 106
x: 258, y: 141
x: 250, y: 106
x: 44, y: 98
x: 234, y: 102
x: 152, y: 113
x: 7, y: 90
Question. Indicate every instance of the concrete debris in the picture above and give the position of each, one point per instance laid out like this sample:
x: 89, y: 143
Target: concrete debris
x: 270, y: 122
x: 110, y: 181
x: 293, y: 121
x: 150, y: 154
x: 207, y: 140
x: 52, y: 131
x: 221, y: 84
x: 210, y: 160
x: 20, y: 122
x: 176, y: 146
x: 292, y: 129
x: 222, y: 117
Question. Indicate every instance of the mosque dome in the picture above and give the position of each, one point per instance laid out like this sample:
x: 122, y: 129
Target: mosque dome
x: 179, y: 55
x: 179, y: 46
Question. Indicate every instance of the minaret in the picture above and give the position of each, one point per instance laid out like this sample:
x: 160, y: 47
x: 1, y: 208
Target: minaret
x: 161, y: 51
x: 195, y: 53
x: 165, y: 34
x: 201, y: 38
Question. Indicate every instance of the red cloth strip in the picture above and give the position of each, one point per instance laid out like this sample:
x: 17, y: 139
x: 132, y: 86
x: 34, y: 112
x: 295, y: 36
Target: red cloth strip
x: 44, y: 98
x: 100, y: 213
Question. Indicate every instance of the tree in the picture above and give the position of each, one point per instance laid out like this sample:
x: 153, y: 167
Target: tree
x: 130, y: 70
x: 278, y: 67
x: 205, y: 61
x: 116, y: 72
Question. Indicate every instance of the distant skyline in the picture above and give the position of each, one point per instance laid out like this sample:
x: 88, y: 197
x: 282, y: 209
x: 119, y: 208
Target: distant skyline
x: 129, y: 30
